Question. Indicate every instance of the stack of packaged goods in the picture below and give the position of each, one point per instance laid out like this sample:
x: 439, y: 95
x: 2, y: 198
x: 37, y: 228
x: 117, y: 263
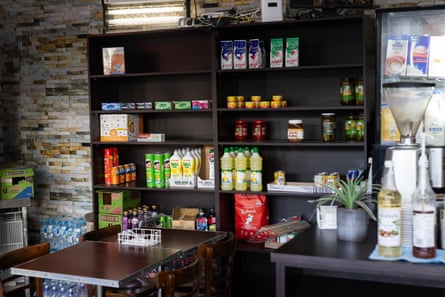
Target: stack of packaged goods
x: 113, y: 203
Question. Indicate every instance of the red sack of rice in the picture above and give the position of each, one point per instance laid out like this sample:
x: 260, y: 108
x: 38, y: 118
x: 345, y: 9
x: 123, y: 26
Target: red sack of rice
x: 251, y: 213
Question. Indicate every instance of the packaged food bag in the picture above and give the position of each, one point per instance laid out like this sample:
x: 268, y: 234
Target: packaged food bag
x: 251, y: 213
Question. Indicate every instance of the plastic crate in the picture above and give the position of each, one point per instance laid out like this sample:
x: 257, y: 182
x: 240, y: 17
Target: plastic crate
x: 11, y: 231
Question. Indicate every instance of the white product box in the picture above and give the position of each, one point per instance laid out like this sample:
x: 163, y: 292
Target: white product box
x: 292, y: 51
x: 436, y: 65
x: 240, y: 54
x: 276, y: 52
x: 119, y: 127
x: 254, y: 54
x: 226, y: 54
x: 396, y: 55
x: 417, y: 64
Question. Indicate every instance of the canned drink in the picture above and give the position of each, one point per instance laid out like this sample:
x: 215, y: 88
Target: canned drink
x: 132, y: 172
x: 115, y: 180
x: 127, y: 170
x: 108, y: 164
x: 115, y: 156
x: 158, y: 170
x: 279, y: 177
x: 121, y: 171
x: 149, y: 171
x: 167, y: 170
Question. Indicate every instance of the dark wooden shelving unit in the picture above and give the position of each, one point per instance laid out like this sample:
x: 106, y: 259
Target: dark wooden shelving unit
x: 183, y: 64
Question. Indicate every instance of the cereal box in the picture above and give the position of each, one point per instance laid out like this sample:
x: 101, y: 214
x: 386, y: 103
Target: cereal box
x: 418, y: 50
x: 240, y: 54
x: 396, y: 55
x: 113, y: 60
x: 436, y: 64
x: 119, y: 127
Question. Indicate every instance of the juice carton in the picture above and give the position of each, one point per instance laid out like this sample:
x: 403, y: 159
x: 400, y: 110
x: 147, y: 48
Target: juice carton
x: 240, y: 54
x: 292, y: 52
x: 254, y: 54
x: 226, y: 54
x: 417, y: 64
x: 396, y: 56
x: 276, y: 52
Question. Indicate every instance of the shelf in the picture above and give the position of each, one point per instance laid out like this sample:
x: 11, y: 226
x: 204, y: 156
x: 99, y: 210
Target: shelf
x: 149, y: 74
x: 142, y: 188
x: 285, y: 143
x: 356, y: 108
x: 150, y: 111
x: 179, y: 142
x: 290, y: 69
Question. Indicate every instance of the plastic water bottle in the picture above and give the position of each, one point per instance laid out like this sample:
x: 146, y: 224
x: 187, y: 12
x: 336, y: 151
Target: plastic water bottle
x: 82, y: 291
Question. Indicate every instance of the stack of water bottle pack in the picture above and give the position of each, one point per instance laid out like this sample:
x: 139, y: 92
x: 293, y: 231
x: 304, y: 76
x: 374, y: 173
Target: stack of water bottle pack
x: 55, y: 288
x: 61, y: 232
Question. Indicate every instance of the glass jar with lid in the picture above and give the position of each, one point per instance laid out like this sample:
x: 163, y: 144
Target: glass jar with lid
x: 295, y: 130
x: 328, y: 126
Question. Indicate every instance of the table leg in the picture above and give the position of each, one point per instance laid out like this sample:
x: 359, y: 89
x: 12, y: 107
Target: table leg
x: 100, y: 291
x: 280, y: 280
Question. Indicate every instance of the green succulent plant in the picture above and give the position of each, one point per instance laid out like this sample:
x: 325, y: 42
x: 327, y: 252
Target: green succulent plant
x: 350, y: 193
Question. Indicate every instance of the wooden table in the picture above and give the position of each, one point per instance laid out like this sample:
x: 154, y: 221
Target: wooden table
x: 108, y: 263
x: 318, y: 252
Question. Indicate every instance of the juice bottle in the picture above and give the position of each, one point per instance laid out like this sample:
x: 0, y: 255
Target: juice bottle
x: 226, y: 171
x: 241, y: 171
x: 188, y: 168
x: 256, y: 167
x: 389, y: 203
x: 175, y: 167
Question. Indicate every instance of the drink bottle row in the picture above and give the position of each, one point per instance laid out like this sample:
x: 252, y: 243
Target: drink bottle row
x: 241, y: 169
x: 61, y: 232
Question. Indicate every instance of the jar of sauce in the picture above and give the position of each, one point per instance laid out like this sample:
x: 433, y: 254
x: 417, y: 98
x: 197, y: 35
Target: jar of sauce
x: 359, y: 92
x: 350, y: 127
x: 360, y: 127
x: 240, y: 130
x: 347, y: 92
x: 328, y: 127
x: 295, y: 131
x: 259, y: 130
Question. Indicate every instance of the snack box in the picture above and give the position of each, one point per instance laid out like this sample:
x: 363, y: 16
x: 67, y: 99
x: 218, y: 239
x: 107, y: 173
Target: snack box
x: 163, y: 105
x: 151, y: 137
x: 16, y: 182
x: 182, y: 105
x: 106, y: 220
x: 111, y: 106
x: 120, y: 127
x: 116, y: 201
x: 184, y: 218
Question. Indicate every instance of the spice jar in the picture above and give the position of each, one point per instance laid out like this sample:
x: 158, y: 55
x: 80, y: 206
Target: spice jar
x: 347, y: 92
x: 295, y: 130
x: 350, y: 127
x: 328, y: 127
x: 240, y: 130
x: 258, y: 130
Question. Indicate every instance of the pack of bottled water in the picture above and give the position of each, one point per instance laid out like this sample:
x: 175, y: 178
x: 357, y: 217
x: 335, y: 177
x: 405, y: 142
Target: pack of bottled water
x: 61, y: 232
x: 56, y: 288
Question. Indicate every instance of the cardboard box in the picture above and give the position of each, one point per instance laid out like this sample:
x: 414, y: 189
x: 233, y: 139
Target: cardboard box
x: 120, y: 127
x: 116, y: 202
x: 113, y: 59
x: 106, y: 220
x: 16, y: 182
x: 184, y: 218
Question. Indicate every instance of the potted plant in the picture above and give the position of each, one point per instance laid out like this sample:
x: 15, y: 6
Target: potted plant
x: 353, y: 210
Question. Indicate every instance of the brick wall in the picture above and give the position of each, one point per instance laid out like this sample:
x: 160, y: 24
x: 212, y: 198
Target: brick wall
x: 44, y: 99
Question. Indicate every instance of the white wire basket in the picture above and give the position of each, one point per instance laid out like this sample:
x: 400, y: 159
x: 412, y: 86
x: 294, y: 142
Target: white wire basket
x: 140, y: 237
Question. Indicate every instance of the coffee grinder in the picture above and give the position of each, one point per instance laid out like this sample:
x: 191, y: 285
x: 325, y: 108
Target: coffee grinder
x: 408, y: 101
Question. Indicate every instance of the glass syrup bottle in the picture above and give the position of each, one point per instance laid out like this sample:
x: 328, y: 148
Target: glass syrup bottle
x: 424, y: 213
x: 389, y: 203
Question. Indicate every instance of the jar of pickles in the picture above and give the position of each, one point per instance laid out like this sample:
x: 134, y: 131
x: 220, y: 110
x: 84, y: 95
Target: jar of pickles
x: 360, y: 127
x: 350, y: 127
x: 359, y: 92
x: 328, y: 127
x: 347, y: 91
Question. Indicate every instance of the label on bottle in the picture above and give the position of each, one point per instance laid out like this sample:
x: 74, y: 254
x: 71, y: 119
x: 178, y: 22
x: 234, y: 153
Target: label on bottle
x: 389, y: 233
x: 226, y: 180
x: 424, y: 229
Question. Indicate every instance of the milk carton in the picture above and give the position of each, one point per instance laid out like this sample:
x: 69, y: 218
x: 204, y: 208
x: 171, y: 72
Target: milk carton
x: 254, y: 54
x: 417, y: 64
x: 292, y: 44
x: 436, y: 63
x: 276, y: 52
x: 240, y: 54
x: 226, y: 54
x: 396, y: 56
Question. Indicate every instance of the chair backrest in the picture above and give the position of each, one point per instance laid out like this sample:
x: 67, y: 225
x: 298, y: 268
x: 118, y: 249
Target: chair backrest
x: 101, y: 233
x: 16, y: 257
x: 184, y: 281
x: 218, y: 260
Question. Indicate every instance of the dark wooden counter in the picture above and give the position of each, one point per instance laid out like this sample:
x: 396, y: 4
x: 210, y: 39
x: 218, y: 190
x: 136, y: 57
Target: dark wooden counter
x: 318, y: 252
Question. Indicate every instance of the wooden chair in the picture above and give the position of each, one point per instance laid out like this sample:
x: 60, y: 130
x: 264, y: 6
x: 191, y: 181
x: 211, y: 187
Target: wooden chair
x: 218, y: 259
x: 101, y: 233
x: 13, y: 285
x: 184, y: 281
